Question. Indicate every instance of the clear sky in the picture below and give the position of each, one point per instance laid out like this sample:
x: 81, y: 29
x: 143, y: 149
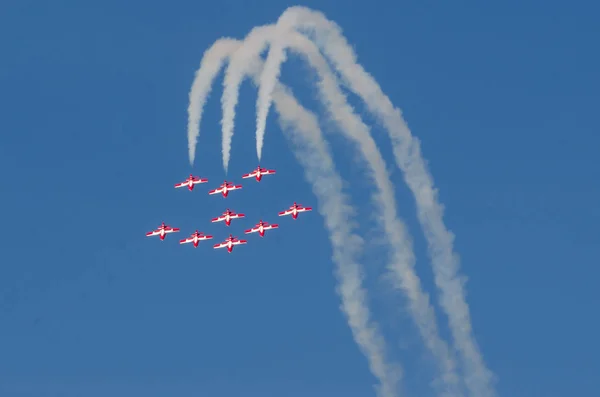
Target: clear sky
x: 94, y: 100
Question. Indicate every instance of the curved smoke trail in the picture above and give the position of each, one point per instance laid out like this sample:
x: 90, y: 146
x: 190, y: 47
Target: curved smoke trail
x: 313, y: 154
x: 408, y: 157
x: 211, y: 63
x: 265, y: 88
x: 402, y: 265
x: 241, y: 60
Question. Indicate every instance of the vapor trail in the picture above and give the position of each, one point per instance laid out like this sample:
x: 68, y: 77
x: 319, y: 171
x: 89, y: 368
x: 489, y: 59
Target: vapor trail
x: 314, y: 155
x: 271, y: 71
x: 408, y: 157
x: 402, y: 264
x: 242, y: 60
x: 401, y: 267
x: 211, y: 63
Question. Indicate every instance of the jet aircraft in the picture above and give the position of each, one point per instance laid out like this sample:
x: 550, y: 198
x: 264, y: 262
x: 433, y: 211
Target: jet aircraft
x: 258, y: 172
x: 162, y: 231
x: 224, y: 188
x: 294, y: 210
x: 230, y: 242
x: 261, y: 227
x: 227, y: 216
x: 190, y: 182
x: 195, y: 238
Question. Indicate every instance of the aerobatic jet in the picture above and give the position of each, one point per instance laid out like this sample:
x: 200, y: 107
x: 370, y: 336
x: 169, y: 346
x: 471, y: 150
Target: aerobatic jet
x: 229, y: 243
x: 227, y: 216
x: 224, y: 188
x: 261, y: 227
x: 258, y: 173
x: 190, y: 182
x: 294, y: 210
x: 162, y: 231
x: 195, y: 238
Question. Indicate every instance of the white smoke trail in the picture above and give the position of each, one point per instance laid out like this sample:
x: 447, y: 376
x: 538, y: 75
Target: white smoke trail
x: 402, y: 264
x: 354, y: 128
x: 265, y: 88
x: 212, y: 61
x: 327, y: 186
x: 320, y: 171
x: 408, y: 158
x: 242, y: 60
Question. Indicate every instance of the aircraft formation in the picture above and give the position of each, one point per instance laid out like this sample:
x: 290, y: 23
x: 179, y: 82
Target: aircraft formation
x: 228, y: 215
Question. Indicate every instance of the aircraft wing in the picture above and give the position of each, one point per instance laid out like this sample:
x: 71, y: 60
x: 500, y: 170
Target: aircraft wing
x: 218, y: 219
x: 170, y: 229
x: 286, y: 212
x: 234, y: 187
x: 204, y: 237
x: 199, y: 180
x: 182, y: 184
x: 220, y: 245
x: 250, y: 175
x: 216, y: 191
x: 253, y: 230
x: 153, y: 233
x: 235, y: 216
x: 267, y: 172
x: 186, y: 240
x: 268, y: 227
x: 303, y: 209
x: 238, y: 242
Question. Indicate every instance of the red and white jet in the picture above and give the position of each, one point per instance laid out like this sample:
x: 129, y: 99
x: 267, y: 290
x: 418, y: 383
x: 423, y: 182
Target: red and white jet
x: 294, y: 210
x: 224, y: 188
x: 195, y: 238
x: 258, y: 173
x: 162, y: 231
x: 261, y: 227
x: 227, y: 216
x: 229, y: 243
x: 190, y: 182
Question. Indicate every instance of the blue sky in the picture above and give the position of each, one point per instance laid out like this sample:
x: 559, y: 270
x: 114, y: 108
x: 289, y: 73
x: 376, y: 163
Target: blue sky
x: 93, y: 137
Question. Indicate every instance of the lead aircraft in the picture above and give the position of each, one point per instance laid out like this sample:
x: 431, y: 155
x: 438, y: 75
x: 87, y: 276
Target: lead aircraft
x: 195, y: 238
x: 230, y: 242
x: 227, y: 216
x: 258, y: 173
x: 224, y: 188
x: 294, y: 210
x: 190, y: 182
x: 261, y: 227
x: 162, y: 231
